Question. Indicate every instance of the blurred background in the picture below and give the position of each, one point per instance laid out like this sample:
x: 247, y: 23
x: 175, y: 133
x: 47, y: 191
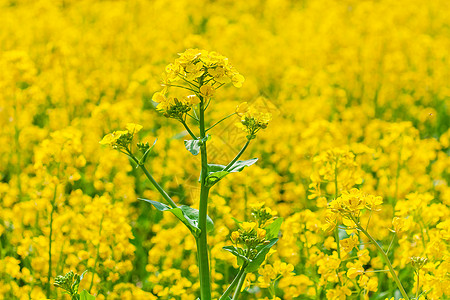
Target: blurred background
x: 369, y: 78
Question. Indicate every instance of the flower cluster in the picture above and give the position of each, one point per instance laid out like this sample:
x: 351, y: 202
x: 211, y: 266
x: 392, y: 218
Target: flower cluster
x: 121, y: 139
x: 252, y: 119
x: 173, y: 107
x: 250, y: 236
x: 69, y: 283
x: 351, y: 203
x: 203, y: 67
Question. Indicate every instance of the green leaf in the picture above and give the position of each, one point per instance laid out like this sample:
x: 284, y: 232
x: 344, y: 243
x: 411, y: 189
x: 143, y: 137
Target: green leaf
x: 84, y: 295
x: 260, y: 257
x: 273, y: 229
x: 193, y: 213
x: 235, y: 251
x: 186, y: 214
x: 216, y: 172
x: 192, y: 146
x: 215, y: 177
x: 241, y: 164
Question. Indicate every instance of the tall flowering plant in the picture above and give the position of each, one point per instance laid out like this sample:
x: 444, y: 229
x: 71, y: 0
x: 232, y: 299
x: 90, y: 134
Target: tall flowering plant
x: 199, y: 74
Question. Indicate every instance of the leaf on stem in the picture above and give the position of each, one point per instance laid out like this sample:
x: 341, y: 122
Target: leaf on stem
x: 237, y: 252
x: 261, y: 256
x: 84, y: 295
x: 273, y: 229
x: 241, y: 164
x: 193, y: 146
x: 216, y: 172
x: 187, y: 215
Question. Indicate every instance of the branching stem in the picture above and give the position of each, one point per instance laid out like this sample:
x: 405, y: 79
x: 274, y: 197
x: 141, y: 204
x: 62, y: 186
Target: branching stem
x: 385, y: 257
x: 237, y: 156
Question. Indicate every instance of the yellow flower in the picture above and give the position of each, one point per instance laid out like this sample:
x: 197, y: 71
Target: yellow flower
x: 238, y: 80
x: 260, y: 233
x: 248, y: 226
x: 348, y: 244
x: 234, y: 236
x: 112, y: 138
x: 207, y: 91
x: 354, y: 269
x: 242, y: 108
x: 133, y: 128
x: 159, y: 97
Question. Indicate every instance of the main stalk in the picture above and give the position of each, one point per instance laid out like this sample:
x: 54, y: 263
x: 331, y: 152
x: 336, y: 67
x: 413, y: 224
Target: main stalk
x: 202, y: 243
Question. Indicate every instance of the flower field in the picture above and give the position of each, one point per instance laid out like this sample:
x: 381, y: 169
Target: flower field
x: 345, y: 104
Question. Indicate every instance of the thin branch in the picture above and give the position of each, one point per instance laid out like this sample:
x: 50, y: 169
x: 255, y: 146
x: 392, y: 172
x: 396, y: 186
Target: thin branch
x: 209, y: 101
x: 188, y: 129
x: 183, y: 87
x: 390, y: 245
x: 192, y: 117
x: 233, y: 283
x: 237, y: 156
x: 153, y: 181
x: 189, y: 82
x: 223, y: 119
x: 368, y: 221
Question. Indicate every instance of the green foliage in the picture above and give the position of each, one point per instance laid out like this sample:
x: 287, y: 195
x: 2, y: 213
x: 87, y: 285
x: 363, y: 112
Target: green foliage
x: 217, y: 172
x: 193, y: 146
x: 273, y: 228
x: 261, y: 256
x: 69, y: 283
x: 186, y: 214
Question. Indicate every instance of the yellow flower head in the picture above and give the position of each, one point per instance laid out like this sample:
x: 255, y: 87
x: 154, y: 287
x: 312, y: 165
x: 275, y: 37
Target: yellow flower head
x: 248, y: 226
x: 260, y: 233
x: 235, y: 236
x: 133, y: 128
x: 121, y: 139
x: 252, y: 119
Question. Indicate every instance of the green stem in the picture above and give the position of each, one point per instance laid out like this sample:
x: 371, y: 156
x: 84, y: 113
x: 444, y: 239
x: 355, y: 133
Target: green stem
x: 390, y: 244
x: 239, y: 287
x: 223, y: 119
x: 422, y: 235
x: 97, y: 255
x: 188, y: 130
x: 417, y: 289
x: 183, y: 87
x: 336, y: 236
x: 152, y: 180
x: 385, y: 257
x: 190, y: 83
x: 233, y: 284
x: 336, y: 194
x: 237, y: 156
x: 202, y: 244
x: 50, y: 243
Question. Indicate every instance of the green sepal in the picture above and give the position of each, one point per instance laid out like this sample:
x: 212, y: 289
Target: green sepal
x: 187, y: 215
x: 238, y: 252
x: 84, y: 295
x: 193, y: 146
x: 273, y: 228
x: 261, y: 256
x: 217, y: 172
